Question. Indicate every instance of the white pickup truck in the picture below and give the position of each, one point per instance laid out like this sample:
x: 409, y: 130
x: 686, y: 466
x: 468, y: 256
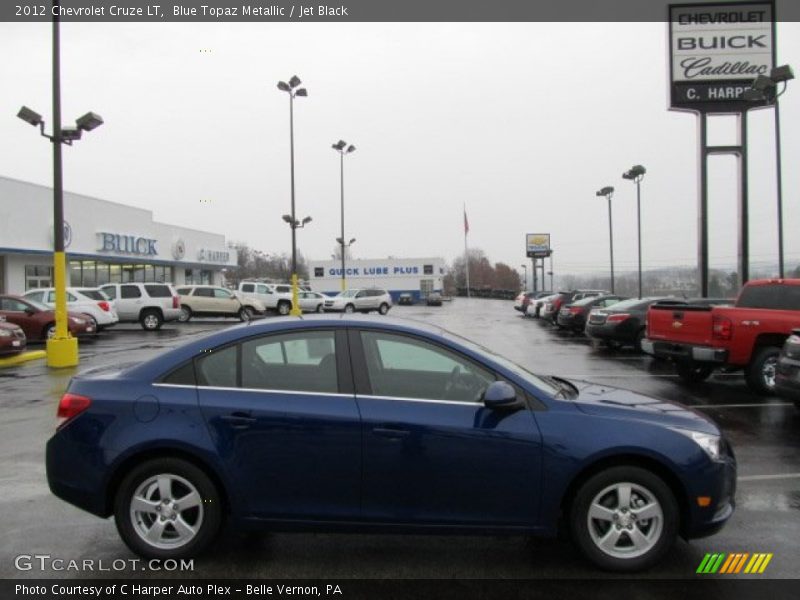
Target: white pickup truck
x: 275, y: 296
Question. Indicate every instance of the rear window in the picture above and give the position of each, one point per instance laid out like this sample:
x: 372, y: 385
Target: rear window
x: 158, y: 291
x: 585, y: 301
x: 93, y: 294
x: 776, y: 297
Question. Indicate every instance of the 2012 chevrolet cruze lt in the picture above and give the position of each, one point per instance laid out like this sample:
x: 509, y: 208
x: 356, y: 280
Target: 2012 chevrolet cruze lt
x: 353, y: 424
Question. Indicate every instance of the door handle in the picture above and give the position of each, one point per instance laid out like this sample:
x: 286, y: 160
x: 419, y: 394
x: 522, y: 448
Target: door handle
x: 238, y: 420
x: 391, y: 432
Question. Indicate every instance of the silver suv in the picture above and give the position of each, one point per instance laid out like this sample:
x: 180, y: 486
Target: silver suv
x: 151, y: 304
x: 360, y: 301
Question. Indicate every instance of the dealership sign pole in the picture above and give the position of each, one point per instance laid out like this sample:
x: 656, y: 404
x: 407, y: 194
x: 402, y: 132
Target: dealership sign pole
x: 716, y: 51
x: 537, y: 248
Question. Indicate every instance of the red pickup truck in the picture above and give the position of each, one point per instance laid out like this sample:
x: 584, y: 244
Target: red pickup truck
x: 748, y: 335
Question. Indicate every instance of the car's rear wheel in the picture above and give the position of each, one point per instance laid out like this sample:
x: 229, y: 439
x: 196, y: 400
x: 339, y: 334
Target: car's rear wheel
x: 151, y: 320
x: 349, y: 308
x: 383, y: 308
x: 760, y: 374
x: 693, y: 373
x: 624, y: 518
x: 49, y: 331
x: 319, y: 308
x: 167, y: 508
x: 284, y: 308
x: 93, y: 323
x: 186, y: 314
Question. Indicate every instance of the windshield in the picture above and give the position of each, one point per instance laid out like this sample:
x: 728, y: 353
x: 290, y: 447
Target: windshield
x: 37, y: 305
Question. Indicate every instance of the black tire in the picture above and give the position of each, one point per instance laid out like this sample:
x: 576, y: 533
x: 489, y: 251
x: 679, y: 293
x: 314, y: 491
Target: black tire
x: 693, y: 373
x: 319, y: 308
x: 205, y: 516
x: 49, y: 331
x: 349, y: 309
x: 384, y: 308
x: 151, y: 320
x: 284, y: 307
x: 244, y: 314
x: 656, y: 534
x: 186, y: 314
x: 760, y: 373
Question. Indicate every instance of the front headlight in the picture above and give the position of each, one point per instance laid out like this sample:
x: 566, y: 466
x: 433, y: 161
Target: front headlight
x: 711, y: 444
x: 4, y: 333
x: 78, y: 321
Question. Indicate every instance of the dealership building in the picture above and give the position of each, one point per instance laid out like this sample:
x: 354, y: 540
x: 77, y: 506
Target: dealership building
x: 415, y: 276
x: 105, y: 242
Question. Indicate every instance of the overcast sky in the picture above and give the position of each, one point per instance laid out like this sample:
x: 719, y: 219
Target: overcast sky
x: 520, y: 122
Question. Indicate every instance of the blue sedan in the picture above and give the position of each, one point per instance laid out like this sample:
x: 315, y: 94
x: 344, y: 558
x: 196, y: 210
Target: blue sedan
x: 356, y: 424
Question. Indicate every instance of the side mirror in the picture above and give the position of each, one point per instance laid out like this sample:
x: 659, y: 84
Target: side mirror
x: 501, y: 395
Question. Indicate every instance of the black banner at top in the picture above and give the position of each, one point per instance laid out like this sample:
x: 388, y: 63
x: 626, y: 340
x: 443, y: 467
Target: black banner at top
x: 332, y: 11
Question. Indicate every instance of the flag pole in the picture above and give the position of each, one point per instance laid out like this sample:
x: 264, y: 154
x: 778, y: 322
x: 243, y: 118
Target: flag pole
x: 466, y: 250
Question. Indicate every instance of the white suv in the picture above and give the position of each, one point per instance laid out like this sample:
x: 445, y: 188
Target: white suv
x: 275, y: 296
x: 150, y: 304
x: 360, y: 301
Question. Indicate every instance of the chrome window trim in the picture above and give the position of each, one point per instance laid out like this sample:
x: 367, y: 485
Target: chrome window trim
x: 244, y: 389
x: 424, y: 400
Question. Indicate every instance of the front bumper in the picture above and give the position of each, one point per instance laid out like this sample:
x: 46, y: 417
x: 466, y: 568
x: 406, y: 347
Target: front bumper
x: 719, y: 483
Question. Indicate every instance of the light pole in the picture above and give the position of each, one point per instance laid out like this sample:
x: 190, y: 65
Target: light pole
x: 293, y: 91
x: 765, y: 89
x: 636, y: 174
x: 340, y: 148
x: 608, y: 192
x: 62, y: 349
x: 525, y: 267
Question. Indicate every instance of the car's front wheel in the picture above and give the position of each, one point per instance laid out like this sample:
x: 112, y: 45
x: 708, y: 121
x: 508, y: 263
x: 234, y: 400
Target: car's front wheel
x: 244, y: 314
x: 167, y: 508
x: 349, y: 308
x: 284, y: 308
x: 624, y: 518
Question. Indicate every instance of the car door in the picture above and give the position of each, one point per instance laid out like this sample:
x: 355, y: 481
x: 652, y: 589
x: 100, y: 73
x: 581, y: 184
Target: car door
x: 432, y: 452
x: 225, y: 302
x: 202, y: 301
x: 23, y: 315
x: 283, y: 417
x: 130, y: 302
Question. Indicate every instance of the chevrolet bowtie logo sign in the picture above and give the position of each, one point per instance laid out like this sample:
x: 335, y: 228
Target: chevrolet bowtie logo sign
x: 677, y: 324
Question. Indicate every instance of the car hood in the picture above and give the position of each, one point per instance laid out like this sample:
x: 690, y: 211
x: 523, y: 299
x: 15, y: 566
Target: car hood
x: 612, y: 402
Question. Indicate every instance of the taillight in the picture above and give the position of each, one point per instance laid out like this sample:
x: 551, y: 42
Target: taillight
x: 721, y: 328
x: 575, y: 310
x: 70, y: 406
x: 617, y: 317
x: 176, y: 302
x: 104, y: 306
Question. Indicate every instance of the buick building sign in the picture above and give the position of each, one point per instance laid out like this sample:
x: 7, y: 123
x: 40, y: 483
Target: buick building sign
x: 716, y: 51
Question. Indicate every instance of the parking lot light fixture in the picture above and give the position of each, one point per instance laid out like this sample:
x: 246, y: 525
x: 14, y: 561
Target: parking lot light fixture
x: 342, y: 148
x: 636, y: 174
x: 62, y: 349
x: 765, y: 90
x: 608, y: 193
x: 293, y: 91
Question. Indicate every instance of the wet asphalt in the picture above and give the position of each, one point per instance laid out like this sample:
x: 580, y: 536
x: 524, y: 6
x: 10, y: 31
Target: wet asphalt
x: 764, y: 431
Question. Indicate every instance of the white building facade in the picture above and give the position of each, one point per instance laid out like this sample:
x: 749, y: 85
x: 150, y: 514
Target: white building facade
x: 415, y: 276
x: 105, y: 242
